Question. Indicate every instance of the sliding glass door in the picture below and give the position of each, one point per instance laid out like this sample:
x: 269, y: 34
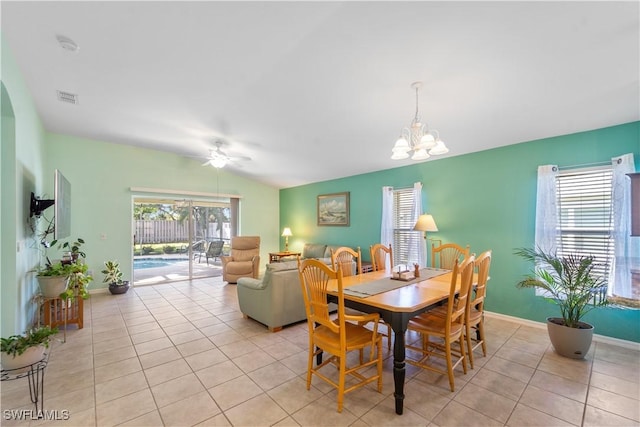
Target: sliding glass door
x: 180, y: 239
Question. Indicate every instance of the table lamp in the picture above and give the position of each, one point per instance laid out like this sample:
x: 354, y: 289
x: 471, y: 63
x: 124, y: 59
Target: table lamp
x: 286, y: 233
x: 425, y: 223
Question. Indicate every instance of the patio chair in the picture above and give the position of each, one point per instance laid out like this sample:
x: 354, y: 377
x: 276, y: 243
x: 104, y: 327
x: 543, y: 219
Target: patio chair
x: 215, y: 250
x: 199, y: 248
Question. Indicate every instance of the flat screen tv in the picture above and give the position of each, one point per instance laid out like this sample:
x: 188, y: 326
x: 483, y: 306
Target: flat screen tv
x: 61, y: 203
x: 62, y: 214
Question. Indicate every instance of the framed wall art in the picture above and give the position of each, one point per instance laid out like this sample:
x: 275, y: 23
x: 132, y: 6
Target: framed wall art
x: 333, y: 209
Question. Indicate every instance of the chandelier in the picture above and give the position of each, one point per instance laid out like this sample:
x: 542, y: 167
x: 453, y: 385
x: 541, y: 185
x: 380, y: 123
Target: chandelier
x: 418, y: 138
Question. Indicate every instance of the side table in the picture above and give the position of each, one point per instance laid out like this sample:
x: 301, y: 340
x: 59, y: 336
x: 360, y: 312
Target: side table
x: 59, y: 312
x: 276, y: 256
x: 35, y: 378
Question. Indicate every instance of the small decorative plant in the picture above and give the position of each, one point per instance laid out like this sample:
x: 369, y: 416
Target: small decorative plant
x: 570, y: 281
x: 55, y: 269
x: 15, y: 345
x: 113, y: 276
x: 112, y: 273
x: 78, y: 282
x: 73, y: 247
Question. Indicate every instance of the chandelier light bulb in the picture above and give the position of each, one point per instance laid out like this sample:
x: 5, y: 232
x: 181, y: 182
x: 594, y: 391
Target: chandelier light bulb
x: 428, y: 141
x: 420, y: 154
x: 440, y: 148
x: 399, y: 155
x: 401, y: 146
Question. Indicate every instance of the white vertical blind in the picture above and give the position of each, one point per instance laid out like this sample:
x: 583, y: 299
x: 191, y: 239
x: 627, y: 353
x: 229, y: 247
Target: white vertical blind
x: 585, y: 218
x: 405, y: 239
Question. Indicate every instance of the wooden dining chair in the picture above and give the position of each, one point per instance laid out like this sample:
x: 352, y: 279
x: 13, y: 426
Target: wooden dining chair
x: 445, y: 255
x: 474, y: 323
x: 449, y: 329
x: 345, y: 257
x: 379, y: 254
x: 340, y: 336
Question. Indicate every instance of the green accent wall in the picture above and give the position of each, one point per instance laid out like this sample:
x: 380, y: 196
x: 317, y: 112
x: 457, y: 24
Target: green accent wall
x: 484, y: 199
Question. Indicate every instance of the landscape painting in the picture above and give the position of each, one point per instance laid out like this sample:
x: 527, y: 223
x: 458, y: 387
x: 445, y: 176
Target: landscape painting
x: 333, y: 209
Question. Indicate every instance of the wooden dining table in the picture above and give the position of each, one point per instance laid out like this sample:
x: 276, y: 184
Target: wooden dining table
x: 396, y: 307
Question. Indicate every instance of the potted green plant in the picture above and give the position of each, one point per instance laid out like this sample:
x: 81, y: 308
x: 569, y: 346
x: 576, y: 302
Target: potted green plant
x: 20, y: 351
x: 78, y: 282
x: 72, y: 247
x: 571, y: 283
x: 113, y: 276
x: 53, y: 278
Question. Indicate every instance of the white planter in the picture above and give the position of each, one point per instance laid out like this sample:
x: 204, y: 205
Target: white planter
x: 24, y: 360
x: 570, y: 342
x: 52, y: 286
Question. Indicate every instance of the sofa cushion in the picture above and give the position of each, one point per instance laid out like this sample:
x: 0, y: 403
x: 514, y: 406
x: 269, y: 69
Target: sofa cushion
x: 280, y: 266
x: 314, y: 250
x: 251, y: 283
x: 327, y: 252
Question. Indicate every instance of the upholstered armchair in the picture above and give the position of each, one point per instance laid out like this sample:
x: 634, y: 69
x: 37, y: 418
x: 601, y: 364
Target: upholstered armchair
x: 244, y: 259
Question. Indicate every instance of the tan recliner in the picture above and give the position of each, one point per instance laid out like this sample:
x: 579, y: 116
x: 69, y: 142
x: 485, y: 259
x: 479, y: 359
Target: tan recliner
x: 244, y: 260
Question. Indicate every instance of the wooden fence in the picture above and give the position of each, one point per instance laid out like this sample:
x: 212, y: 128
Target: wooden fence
x: 160, y: 231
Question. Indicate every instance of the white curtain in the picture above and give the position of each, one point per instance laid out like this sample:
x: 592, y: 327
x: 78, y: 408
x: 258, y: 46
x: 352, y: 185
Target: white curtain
x: 419, y: 255
x: 546, y: 209
x: 546, y: 214
x: 626, y: 248
x: 386, y: 228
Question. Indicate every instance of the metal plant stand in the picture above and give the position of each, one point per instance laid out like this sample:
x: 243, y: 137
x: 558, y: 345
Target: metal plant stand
x: 35, y: 378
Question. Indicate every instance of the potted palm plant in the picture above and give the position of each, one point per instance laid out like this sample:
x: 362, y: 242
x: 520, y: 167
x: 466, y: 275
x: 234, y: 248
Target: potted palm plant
x: 113, y: 276
x: 18, y: 351
x: 571, y: 283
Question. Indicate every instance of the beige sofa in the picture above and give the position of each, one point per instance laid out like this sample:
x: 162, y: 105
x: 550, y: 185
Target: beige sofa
x: 314, y: 250
x: 275, y: 300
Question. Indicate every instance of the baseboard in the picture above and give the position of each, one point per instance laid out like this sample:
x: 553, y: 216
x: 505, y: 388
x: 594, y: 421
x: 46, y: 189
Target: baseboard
x: 540, y: 325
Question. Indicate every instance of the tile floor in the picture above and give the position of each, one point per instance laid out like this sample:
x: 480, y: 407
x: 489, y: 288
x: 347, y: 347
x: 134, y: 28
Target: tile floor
x: 182, y: 354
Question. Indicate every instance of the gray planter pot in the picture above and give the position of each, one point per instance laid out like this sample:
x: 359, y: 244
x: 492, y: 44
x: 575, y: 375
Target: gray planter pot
x: 119, y: 289
x: 570, y: 342
x: 52, y: 286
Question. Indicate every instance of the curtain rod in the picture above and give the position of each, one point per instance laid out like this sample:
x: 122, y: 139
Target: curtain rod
x: 586, y: 165
x: 180, y: 193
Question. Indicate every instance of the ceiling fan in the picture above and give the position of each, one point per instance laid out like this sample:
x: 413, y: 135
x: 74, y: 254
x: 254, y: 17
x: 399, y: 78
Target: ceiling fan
x: 219, y: 159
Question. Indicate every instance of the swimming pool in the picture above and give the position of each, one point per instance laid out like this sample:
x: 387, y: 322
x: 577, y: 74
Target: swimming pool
x: 142, y: 263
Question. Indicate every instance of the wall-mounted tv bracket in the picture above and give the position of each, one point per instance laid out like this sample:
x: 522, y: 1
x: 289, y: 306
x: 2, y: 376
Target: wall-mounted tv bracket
x: 39, y: 205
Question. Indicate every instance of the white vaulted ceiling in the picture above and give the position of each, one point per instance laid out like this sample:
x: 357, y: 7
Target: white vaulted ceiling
x: 318, y: 90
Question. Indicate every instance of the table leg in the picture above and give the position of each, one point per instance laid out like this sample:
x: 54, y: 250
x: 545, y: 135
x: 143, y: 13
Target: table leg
x: 399, y: 323
x: 399, y: 371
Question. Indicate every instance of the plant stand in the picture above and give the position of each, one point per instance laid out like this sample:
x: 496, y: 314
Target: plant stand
x: 35, y: 378
x: 58, y: 312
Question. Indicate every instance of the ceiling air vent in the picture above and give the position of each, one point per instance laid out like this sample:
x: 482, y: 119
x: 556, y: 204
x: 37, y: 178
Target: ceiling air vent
x: 71, y: 98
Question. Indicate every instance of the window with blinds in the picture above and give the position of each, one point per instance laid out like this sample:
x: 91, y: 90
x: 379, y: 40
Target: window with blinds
x: 585, y: 220
x: 404, y: 240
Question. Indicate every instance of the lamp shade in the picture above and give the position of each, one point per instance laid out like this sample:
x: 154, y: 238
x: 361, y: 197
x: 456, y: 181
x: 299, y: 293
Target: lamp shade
x: 287, y: 232
x: 425, y: 223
